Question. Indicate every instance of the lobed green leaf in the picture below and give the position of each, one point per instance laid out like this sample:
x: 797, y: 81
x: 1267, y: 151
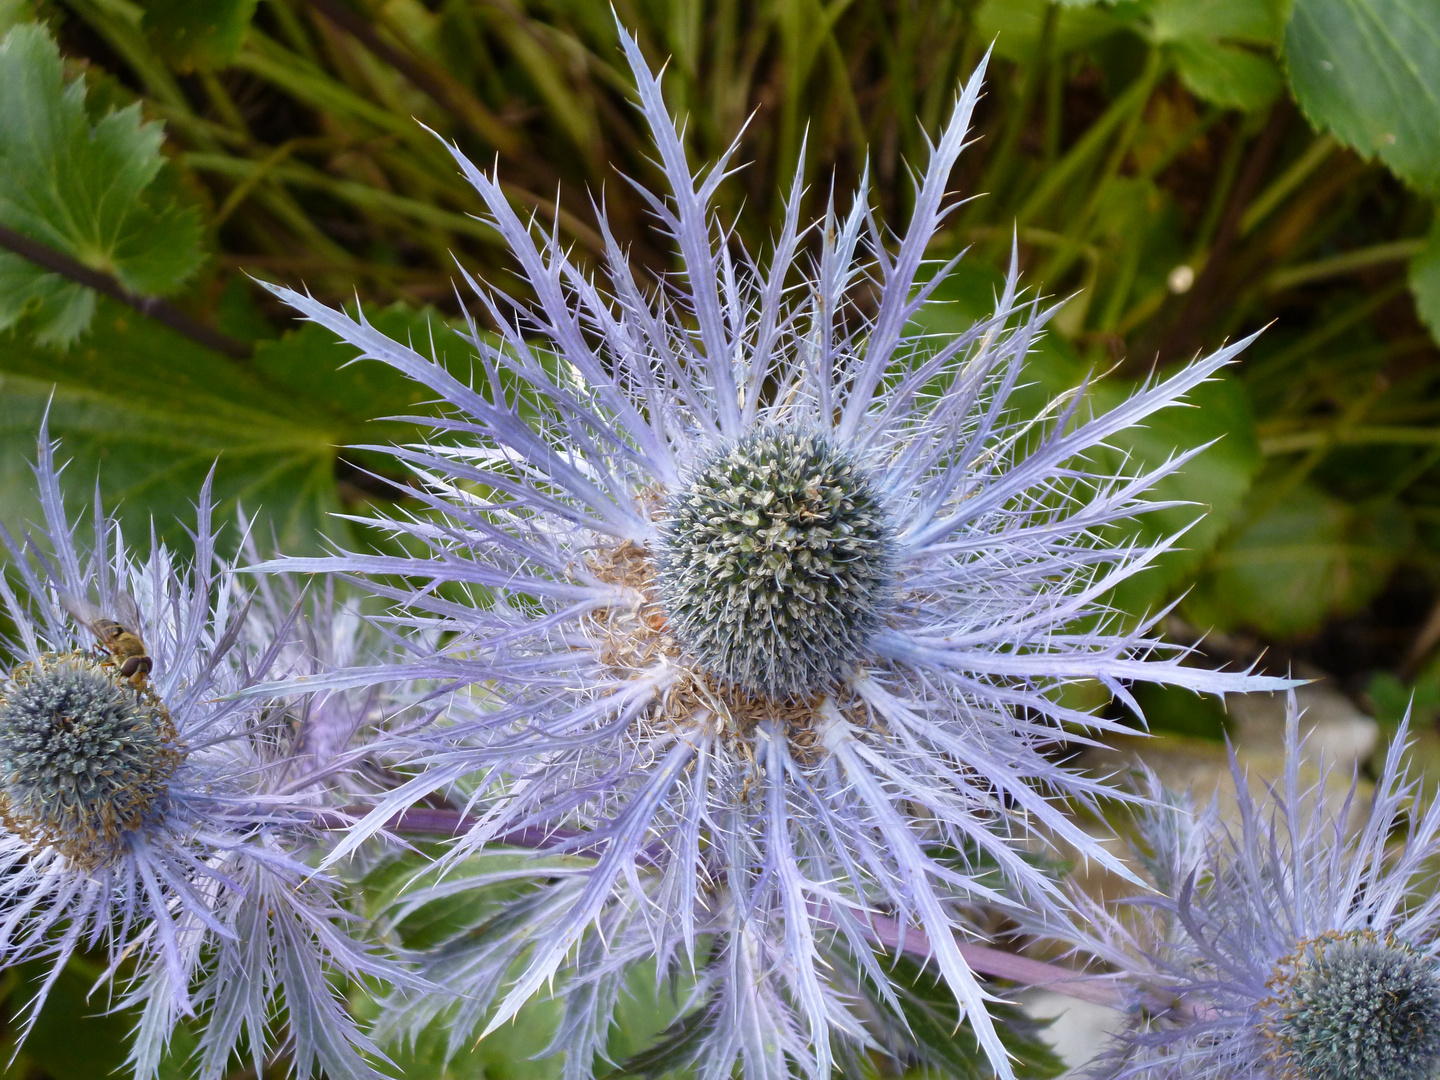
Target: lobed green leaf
x: 91, y: 189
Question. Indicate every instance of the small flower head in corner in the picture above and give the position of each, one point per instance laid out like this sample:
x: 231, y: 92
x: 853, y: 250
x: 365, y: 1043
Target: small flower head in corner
x: 87, y: 751
x: 762, y: 595
x: 149, y: 811
x: 1294, y: 945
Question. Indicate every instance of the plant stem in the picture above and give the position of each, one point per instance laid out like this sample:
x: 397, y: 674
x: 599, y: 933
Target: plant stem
x: 1335, y: 265
x: 1209, y: 292
x: 886, y: 932
x: 1061, y: 175
x: 1001, y: 169
x: 1274, y: 367
x: 363, y: 196
x: 999, y: 964
x: 1286, y: 182
x: 1354, y: 435
x: 57, y: 262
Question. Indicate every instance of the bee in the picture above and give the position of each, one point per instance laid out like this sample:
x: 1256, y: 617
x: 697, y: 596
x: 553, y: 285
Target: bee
x: 123, y: 644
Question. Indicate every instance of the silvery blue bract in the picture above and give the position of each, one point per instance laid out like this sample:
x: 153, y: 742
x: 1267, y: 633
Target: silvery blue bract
x: 1296, y: 942
x: 759, y: 592
x: 160, y: 817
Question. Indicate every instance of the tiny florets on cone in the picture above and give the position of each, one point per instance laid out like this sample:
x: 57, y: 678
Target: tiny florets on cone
x: 770, y: 601
x: 1294, y: 943
x: 162, y: 813
x: 84, y: 756
x: 1351, y: 1005
x: 775, y: 563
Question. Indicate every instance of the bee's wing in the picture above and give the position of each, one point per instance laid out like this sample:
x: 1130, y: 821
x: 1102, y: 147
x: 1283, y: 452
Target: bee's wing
x: 127, y: 612
x: 84, y: 611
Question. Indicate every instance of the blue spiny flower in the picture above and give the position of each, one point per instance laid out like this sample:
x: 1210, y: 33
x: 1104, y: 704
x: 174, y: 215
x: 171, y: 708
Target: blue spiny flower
x: 764, y: 595
x: 1295, y: 943
x: 149, y: 812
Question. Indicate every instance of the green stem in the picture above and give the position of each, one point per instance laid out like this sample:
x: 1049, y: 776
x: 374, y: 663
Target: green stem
x: 360, y: 195
x: 1320, y: 149
x: 293, y: 30
x: 1054, y: 111
x: 437, y: 83
x: 118, y: 23
x: 1002, y: 166
x: 1350, y: 261
x: 1330, y: 329
x: 1331, y: 437
x: 241, y: 191
x: 291, y: 73
x: 1078, y: 228
x: 1180, y: 143
x: 1354, y: 435
x: 1219, y: 196
x: 1062, y: 174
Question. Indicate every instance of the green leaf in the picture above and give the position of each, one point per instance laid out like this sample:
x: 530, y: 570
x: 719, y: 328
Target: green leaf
x: 198, y: 36
x: 946, y: 1043
x: 306, y: 362
x: 72, y: 1039
x: 77, y: 1035
x: 1298, y: 562
x: 1171, y: 710
x: 508, y: 1053
x: 1251, y: 22
x: 1222, y: 48
x: 14, y: 12
x: 1015, y: 26
x: 92, y: 190
x: 1369, y: 71
x: 1225, y: 75
x: 150, y: 412
x: 1390, y: 701
x: 1213, y: 484
x: 670, y: 1053
x: 1425, y: 281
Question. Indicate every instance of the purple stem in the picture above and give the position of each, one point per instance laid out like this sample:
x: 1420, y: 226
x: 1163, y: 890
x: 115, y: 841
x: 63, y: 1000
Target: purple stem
x: 997, y: 963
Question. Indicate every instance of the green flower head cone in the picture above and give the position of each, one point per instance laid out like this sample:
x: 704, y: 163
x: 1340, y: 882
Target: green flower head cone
x: 775, y: 564
x: 84, y: 756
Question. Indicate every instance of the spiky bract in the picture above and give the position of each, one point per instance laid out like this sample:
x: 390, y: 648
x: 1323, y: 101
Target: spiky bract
x: 1293, y: 943
x: 1351, y: 1006
x: 901, y: 766
x: 163, y: 819
x: 84, y: 756
x: 774, y: 563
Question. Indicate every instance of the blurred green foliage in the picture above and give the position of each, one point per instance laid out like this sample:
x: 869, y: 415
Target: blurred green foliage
x: 1182, y: 171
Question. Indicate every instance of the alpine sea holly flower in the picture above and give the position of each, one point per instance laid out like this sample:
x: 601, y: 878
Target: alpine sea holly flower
x: 1293, y: 945
x: 147, y: 811
x: 762, y: 596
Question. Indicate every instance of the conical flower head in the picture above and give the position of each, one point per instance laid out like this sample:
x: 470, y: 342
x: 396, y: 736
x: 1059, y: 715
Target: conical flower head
x: 1353, y: 1005
x: 762, y: 597
x: 1293, y: 943
x: 84, y: 755
x: 149, y: 811
x: 773, y: 564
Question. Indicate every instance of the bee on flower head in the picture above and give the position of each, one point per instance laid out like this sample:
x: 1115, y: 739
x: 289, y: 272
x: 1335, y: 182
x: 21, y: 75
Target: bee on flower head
x: 119, y: 639
x: 150, y: 811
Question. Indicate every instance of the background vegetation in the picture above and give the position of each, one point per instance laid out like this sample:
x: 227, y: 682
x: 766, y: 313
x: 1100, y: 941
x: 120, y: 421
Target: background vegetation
x: 1184, y: 170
